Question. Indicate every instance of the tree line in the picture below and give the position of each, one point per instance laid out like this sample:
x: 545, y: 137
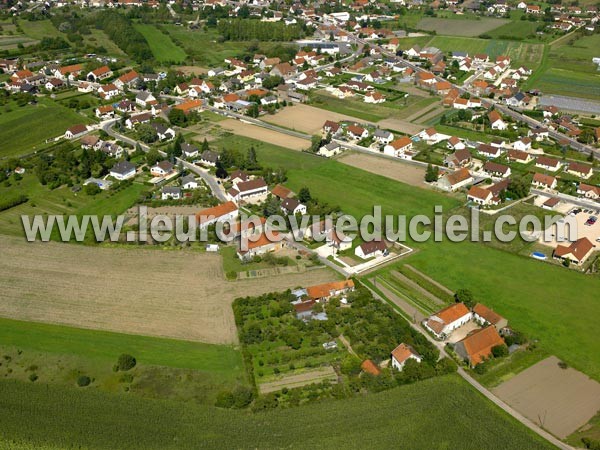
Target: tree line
x: 248, y: 30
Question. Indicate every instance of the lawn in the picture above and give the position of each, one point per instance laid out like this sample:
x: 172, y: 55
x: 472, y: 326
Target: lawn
x: 163, y: 48
x: 28, y: 127
x: 203, y: 47
x: 520, y: 52
x: 62, y: 200
x: 39, y: 29
x: 421, y: 415
x: 106, y: 347
x: 457, y: 26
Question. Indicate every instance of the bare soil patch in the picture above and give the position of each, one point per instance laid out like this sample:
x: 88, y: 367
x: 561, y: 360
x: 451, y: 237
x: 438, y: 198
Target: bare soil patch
x: 189, y: 70
x: 265, y: 135
x: 306, y: 118
x: 560, y: 400
x: 396, y: 170
x: 400, y: 125
x: 175, y: 294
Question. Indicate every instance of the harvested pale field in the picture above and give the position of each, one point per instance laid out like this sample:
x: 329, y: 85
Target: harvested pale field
x: 192, y: 70
x: 301, y: 379
x: 396, y: 170
x: 560, y: 400
x: 306, y: 118
x: 265, y: 135
x: 400, y: 125
x: 176, y: 294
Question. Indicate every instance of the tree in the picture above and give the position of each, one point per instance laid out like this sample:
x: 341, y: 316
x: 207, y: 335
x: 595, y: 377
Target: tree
x: 221, y: 172
x: 91, y: 189
x: 431, y: 174
x: 152, y: 157
x: 499, y: 351
x: 304, y: 195
x: 126, y: 362
x: 205, y: 146
x: 146, y: 133
x: 177, y: 145
x: 251, y: 161
x: 177, y: 117
x: 271, y: 207
x: 464, y: 296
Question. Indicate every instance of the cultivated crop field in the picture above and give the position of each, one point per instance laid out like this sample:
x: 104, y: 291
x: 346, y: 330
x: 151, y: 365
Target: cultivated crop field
x: 40, y: 416
x: 163, y: 48
x: 406, y: 173
x: 460, y: 27
x: 26, y: 128
x: 181, y: 295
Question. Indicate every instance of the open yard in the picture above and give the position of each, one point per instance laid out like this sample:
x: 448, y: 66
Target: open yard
x: 560, y: 400
x: 396, y: 170
x: 163, y: 48
x: 263, y: 134
x: 460, y: 27
x: 305, y: 118
x: 181, y: 295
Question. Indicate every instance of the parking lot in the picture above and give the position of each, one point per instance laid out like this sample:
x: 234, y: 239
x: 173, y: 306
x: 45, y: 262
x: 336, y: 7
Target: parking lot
x: 584, y: 219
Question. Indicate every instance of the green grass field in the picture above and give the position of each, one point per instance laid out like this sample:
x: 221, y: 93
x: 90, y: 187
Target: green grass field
x: 527, y: 54
x: 99, y: 38
x: 567, y: 82
x: 163, y: 48
x: 106, y: 346
x: 26, y: 128
x: 39, y: 29
x: 62, y: 200
x: 457, y: 26
x: 422, y: 415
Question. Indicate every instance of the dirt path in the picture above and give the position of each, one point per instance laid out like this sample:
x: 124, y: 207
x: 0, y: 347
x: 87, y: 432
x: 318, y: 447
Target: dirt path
x: 347, y: 345
x: 301, y: 379
x: 408, y: 309
x: 430, y: 115
x: 431, y: 280
x: 400, y: 125
x: 417, y: 288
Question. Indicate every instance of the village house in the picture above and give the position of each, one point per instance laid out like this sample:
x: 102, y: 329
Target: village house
x: 260, y: 245
x: 371, y: 249
x: 330, y: 150
x: 189, y: 182
x: 481, y: 196
x: 543, y: 181
x: 460, y: 158
x: 431, y: 136
x: 445, y: 321
x: 189, y: 150
x: 577, y: 252
x: 75, y: 131
x: 145, y: 99
x: 519, y: 156
x: 292, y: 206
x: 523, y: 144
x: 401, y: 354
x: 324, y: 292
x: 105, y: 112
x: 496, y: 122
x: 588, y: 191
x: 209, y: 158
x: 132, y: 121
x: 99, y: 74
x: 127, y: 80
x: 580, y: 170
x: 455, y: 180
x: 478, y: 345
x: 485, y: 316
x: 496, y: 170
x: 164, y: 132
x: 162, y: 168
x: 398, y: 147
x: 123, y: 170
x: 549, y: 164
x: 248, y: 190
x: 108, y: 91
x: 225, y: 212
x: 489, y: 151
x: 383, y: 136
x: 170, y: 193
x: 357, y: 133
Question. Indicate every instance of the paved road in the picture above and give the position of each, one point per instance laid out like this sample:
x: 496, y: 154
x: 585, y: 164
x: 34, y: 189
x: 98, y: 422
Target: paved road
x: 569, y: 198
x: 212, y: 183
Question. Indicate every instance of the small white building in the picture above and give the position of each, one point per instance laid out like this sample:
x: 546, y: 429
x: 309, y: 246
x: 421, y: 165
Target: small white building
x: 401, y: 354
